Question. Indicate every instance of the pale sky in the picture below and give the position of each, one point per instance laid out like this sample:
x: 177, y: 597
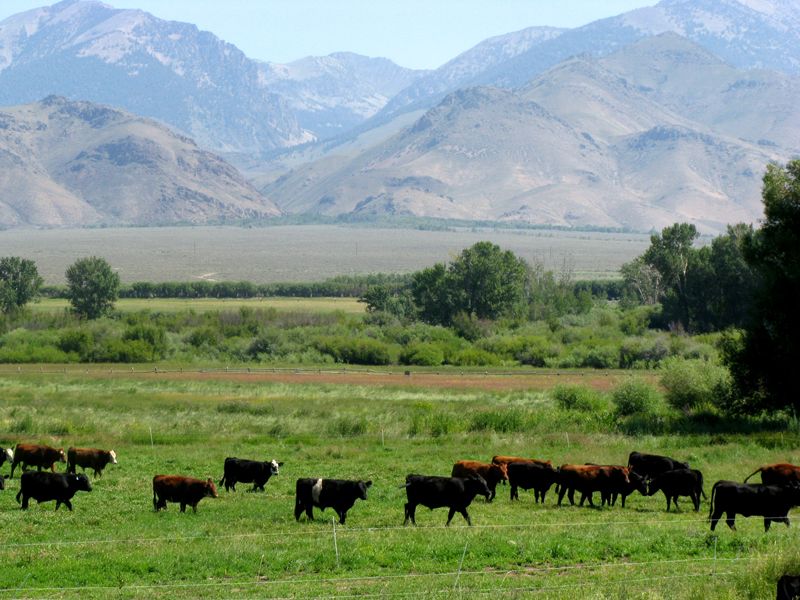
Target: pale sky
x: 419, y: 34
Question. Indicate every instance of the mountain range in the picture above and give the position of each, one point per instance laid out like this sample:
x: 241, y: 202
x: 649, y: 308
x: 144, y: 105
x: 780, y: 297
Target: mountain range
x: 70, y: 164
x: 657, y: 114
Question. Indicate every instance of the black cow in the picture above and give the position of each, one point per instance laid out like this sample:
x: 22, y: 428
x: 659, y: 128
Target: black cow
x: 457, y: 493
x: 528, y: 476
x: 635, y: 483
x: 44, y: 486
x: 680, y: 482
x: 248, y: 471
x: 747, y: 499
x: 338, y: 494
x: 788, y: 587
x: 653, y: 465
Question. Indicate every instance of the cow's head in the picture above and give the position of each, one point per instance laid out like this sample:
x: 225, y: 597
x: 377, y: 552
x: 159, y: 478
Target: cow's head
x: 499, y: 472
x: 273, y: 466
x: 362, y: 486
x: 211, y: 489
x: 638, y: 483
x: 7, y: 454
x: 61, y: 456
x: 480, y: 486
x: 112, y: 457
x: 80, y: 482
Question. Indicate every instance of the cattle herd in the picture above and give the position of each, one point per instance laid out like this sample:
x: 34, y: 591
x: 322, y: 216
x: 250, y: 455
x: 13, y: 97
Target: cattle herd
x: 647, y: 474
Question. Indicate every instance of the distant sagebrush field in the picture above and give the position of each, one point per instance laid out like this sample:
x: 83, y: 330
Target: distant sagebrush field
x: 304, y: 253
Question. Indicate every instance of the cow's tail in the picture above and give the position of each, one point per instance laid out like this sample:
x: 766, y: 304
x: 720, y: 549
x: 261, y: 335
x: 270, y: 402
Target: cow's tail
x: 405, y: 485
x: 753, y: 473
x: 711, y: 504
x: 702, y: 491
x: 222, y: 481
x: 19, y: 493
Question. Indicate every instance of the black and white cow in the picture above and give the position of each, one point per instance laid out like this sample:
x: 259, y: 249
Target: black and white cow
x: 772, y: 502
x: 528, y: 476
x: 456, y: 493
x: 652, y: 465
x: 338, y: 494
x: 680, y: 482
x: 248, y: 471
x: 6, y: 456
x: 44, y: 486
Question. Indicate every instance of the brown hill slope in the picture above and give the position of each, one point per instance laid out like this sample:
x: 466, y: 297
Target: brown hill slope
x: 580, y: 145
x: 71, y: 164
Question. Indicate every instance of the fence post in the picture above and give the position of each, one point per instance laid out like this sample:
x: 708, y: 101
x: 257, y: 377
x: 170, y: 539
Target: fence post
x: 335, y: 545
x: 461, y: 565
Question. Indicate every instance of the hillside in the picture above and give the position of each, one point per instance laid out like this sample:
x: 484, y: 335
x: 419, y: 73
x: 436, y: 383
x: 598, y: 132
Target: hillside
x: 73, y: 164
x: 579, y: 145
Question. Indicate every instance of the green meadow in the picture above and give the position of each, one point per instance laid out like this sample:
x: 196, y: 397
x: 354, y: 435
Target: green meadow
x: 248, y: 545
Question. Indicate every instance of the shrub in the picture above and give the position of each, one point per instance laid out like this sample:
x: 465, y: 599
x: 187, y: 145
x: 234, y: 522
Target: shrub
x: 578, y: 397
x: 422, y: 354
x: 501, y: 421
x: 360, y: 351
x: 203, y: 336
x: 78, y: 341
x: 473, y: 357
x: 692, y: 383
x: 634, y: 396
x: 152, y: 336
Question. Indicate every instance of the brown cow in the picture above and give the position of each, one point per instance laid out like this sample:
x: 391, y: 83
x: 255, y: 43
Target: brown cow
x: 184, y: 490
x: 778, y: 474
x: 588, y: 479
x: 506, y: 460
x: 490, y: 473
x: 34, y: 455
x: 90, y: 458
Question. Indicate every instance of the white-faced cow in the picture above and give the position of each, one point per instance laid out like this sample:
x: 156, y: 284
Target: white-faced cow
x: 35, y: 455
x: 527, y: 475
x: 492, y: 473
x: 90, y: 458
x: 679, y: 482
x: 456, y: 493
x: 772, y: 502
x: 44, y: 487
x: 186, y: 491
x: 651, y: 466
x: 6, y: 456
x: 338, y: 494
x: 248, y: 471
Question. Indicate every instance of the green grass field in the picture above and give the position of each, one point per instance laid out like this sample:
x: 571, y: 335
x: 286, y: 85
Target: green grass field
x: 248, y: 545
x: 201, y: 305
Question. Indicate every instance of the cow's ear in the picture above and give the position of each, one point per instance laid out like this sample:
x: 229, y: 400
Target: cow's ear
x: 280, y: 464
x: 369, y: 484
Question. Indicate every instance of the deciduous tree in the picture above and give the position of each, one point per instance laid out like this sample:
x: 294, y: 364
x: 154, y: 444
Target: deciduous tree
x: 19, y: 282
x: 93, y: 287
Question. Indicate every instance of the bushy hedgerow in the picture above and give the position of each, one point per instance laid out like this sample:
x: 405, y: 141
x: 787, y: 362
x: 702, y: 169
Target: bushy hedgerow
x: 424, y: 354
x: 634, y: 397
x: 692, y: 383
x: 474, y: 357
x: 578, y: 397
x: 360, y: 351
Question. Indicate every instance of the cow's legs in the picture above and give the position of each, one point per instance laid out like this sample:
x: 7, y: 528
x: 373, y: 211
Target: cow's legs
x: 342, y: 516
x: 767, y: 523
x: 183, y: 507
x: 731, y: 521
x: 310, y: 511
x: 410, y: 510
x: 298, y: 509
x: 25, y: 502
x: 696, y: 502
x: 494, y: 491
x: 514, y: 492
x: 561, y: 495
x: 464, y: 512
x: 715, y: 519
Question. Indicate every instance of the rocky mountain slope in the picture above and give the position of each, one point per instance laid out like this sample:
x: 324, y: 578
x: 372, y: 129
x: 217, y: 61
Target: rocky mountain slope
x: 589, y: 142
x: 66, y: 163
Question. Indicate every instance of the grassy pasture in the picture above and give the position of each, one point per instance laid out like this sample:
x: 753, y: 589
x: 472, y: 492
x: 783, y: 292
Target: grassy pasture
x: 248, y: 545
x: 201, y: 305
x: 304, y: 253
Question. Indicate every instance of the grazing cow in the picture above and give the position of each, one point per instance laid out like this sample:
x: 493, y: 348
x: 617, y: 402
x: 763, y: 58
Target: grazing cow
x: 90, y: 458
x: 34, y: 455
x: 184, y: 490
x: 679, y: 482
x: 588, y: 479
x: 530, y: 475
x: 44, y: 487
x: 747, y: 499
x: 338, y: 494
x: 505, y: 460
x: 6, y: 455
x: 652, y: 465
x: 788, y: 587
x: 492, y: 474
x: 777, y: 474
x: 248, y: 471
x: 456, y: 493
x: 636, y: 483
